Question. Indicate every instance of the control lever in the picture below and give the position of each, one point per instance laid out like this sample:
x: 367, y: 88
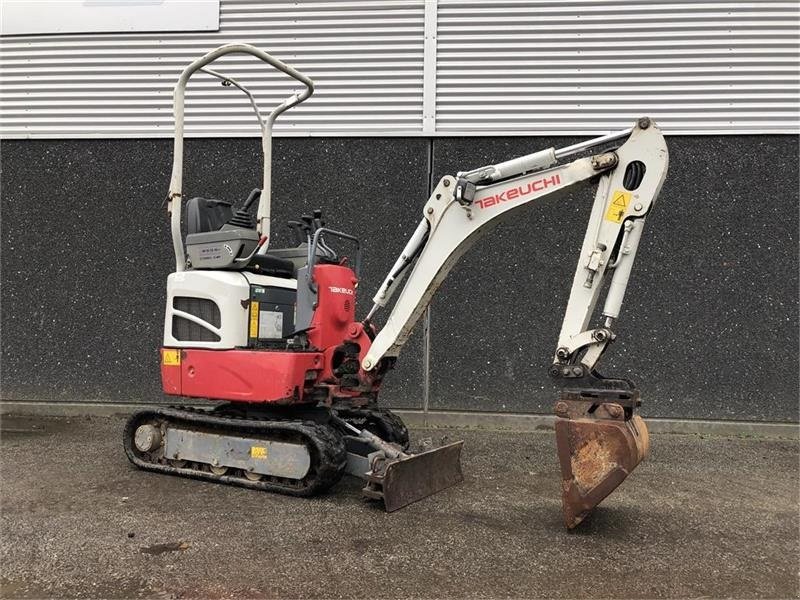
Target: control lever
x: 319, y: 224
x: 297, y: 231
x: 254, y: 193
x: 308, y: 227
x: 242, y: 217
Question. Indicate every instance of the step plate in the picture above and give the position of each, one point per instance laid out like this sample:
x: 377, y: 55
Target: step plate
x: 279, y: 459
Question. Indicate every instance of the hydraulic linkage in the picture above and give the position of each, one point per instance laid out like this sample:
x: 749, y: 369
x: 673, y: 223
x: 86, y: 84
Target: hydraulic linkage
x: 600, y: 438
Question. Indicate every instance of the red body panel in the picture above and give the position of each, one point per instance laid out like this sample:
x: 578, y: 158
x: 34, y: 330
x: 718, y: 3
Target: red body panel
x: 242, y: 375
x: 355, y: 335
x: 331, y: 369
x: 170, y: 371
x: 336, y: 305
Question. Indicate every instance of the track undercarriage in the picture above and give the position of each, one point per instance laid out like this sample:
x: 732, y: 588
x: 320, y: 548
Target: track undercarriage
x: 296, y: 451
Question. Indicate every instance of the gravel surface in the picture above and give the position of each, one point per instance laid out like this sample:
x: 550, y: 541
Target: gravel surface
x: 702, y: 517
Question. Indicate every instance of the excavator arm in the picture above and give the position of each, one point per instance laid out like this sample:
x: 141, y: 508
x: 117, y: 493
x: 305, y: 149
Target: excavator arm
x: 600, y: 438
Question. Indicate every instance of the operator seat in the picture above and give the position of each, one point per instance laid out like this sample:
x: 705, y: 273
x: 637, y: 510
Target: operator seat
x: 208, y: 214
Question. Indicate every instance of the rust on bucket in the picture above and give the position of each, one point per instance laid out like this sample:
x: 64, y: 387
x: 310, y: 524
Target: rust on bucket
x: 599, y: 444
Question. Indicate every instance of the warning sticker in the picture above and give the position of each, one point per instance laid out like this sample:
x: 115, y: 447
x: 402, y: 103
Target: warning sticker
x: 619, y: 204
x: 270, y: 325
x: 258, y: 452
x: 253, y: 319
x: 170, y: 357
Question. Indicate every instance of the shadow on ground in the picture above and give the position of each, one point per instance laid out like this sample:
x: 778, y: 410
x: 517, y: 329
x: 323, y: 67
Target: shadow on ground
x: 703, y: 517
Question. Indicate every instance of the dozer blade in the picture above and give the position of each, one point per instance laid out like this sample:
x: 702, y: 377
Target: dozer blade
x: 599, y: 444
x: 401, y: 481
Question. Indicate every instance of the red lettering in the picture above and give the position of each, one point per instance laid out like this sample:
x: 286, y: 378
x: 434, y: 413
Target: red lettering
x: 518, y: 192
x: 527, y: 191
x: 554, y: 180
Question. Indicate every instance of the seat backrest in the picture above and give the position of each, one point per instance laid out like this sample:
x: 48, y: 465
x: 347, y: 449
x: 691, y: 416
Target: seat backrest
x: 207, y: 214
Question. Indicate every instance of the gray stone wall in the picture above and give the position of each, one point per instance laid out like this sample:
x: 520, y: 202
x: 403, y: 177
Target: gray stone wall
x: 709, y: 327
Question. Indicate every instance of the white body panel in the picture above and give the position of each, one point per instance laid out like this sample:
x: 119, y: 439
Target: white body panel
x: 230, y: 290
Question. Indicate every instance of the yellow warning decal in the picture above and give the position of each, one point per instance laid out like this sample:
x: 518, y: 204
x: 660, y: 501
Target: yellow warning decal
x: 253, y: 319
x: 170, y: 357
x: 258, y: 452
x: 619, y: 204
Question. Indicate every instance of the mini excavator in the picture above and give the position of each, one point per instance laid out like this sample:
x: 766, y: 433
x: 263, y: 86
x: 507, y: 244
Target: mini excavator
x: 270, y: 335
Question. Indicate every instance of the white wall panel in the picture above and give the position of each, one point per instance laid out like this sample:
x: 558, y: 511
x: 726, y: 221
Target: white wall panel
x: 495, y: 67
x: 366, y: 58
x: 589, y: 66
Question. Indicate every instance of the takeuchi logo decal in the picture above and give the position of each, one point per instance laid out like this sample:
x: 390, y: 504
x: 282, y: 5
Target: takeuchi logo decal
x: 341, y: 290
x: 521, y: 191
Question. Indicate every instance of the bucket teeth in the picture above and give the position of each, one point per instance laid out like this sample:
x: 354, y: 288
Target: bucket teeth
x: 401, y: 481
x: 599, y: 444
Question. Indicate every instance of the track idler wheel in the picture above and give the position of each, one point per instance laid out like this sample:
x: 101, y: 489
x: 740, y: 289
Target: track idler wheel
x: 599, y: 444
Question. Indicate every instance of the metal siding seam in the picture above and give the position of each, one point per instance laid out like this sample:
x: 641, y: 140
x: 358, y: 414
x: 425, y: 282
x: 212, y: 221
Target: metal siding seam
x: 429, y: 68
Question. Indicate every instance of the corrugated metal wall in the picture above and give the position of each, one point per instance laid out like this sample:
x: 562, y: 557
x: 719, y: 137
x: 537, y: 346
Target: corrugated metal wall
x: 586, y: 66
x: 365, y: 57
x: 505, y: 67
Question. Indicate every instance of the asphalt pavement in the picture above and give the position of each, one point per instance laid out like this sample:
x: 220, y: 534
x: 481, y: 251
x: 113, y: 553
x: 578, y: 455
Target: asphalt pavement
x: 703, y: 517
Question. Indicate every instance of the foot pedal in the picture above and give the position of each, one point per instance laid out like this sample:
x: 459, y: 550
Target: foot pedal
x: 600, y: 441
x: 401, y: 481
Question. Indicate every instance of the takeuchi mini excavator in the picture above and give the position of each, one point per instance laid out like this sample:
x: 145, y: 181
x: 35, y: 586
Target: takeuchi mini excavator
x: 270, y: 335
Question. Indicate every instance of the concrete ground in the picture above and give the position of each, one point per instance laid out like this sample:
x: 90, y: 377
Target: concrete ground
x: 702, y: 518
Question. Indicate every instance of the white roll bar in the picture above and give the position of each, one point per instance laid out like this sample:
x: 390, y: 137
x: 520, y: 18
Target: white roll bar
x: 176, y: 183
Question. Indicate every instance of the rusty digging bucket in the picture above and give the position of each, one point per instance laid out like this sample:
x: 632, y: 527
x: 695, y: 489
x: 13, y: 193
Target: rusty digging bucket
x: 599, y: 443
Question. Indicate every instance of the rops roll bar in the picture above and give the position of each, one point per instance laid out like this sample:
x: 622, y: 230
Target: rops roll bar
x: 176, y: 183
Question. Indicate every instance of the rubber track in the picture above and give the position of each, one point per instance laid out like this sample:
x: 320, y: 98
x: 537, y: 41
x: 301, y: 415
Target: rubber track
x: 328, y: 454
x: 380, y: 421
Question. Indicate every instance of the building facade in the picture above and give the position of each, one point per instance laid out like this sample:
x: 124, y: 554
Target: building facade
x: 408, y: 91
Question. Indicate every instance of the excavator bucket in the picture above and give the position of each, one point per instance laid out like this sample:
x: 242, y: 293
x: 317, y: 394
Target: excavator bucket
x: 599, y: 444
x: 401, y: 481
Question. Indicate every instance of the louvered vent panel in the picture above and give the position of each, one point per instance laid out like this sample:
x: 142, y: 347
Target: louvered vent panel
x: 563, y: 67
x: 204, y: 309
x: 366, y: 58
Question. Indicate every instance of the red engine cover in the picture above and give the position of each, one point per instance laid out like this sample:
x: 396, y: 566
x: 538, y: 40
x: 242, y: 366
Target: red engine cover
x: 336, y: 305
x: 239, y: 375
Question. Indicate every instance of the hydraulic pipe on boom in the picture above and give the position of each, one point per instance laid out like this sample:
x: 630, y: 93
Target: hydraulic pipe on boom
x: 600, y: 438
